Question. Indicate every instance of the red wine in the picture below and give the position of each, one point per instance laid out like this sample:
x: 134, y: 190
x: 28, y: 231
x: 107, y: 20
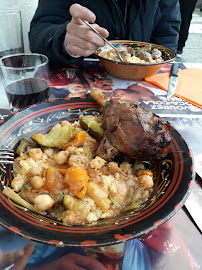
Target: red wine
x: 24, y: 93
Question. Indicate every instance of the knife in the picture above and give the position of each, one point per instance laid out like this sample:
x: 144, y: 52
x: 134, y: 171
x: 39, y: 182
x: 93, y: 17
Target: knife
x: 173, y: 80
x: 82, y: 78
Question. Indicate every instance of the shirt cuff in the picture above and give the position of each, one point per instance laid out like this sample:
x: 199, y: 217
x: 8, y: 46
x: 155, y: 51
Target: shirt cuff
x: 68, y: 53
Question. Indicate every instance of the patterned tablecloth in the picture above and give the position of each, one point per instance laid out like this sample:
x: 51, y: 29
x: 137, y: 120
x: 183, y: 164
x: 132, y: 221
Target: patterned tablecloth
x: 176, y: 243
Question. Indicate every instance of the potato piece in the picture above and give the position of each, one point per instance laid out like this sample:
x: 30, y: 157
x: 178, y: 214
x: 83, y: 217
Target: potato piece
x: 99, y: 196
x: 76, y: 178
x: 73, y: 204
x: 57, y: 136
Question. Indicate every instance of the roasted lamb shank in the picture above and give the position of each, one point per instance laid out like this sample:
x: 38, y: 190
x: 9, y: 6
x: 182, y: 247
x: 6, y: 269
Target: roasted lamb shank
x: 133, y: 131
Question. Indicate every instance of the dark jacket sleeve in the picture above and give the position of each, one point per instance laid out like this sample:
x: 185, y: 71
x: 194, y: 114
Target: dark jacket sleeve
x: 169, y: 24
x: 47, y: 31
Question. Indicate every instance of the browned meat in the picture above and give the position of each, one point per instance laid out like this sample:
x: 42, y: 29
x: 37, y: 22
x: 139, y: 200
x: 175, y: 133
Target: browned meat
x: 146, y: 56
x: 106, y: 150
x: 156, y: 54
x: 134, y: 132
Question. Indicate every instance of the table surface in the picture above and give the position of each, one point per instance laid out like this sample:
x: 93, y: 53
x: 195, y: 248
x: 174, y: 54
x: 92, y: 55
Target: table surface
x: 192, y: 244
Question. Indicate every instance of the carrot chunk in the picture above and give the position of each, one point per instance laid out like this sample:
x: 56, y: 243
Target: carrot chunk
x: 77, y: 179
x: 78, y: 140
x: 54, y: 180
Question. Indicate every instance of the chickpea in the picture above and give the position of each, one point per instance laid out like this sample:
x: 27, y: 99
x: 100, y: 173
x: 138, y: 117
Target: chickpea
x: 49, y: 152
x: 146, y: 181
x: 79, y: 151
x: 37, y: 182
x: 71, y: 149
x: 61, y: 157
x: 113, y: 167
x: 34, y: 171
x: 125, y: 167
x: 43, y: 202
x: 17, y: 184
x: 36, y: 154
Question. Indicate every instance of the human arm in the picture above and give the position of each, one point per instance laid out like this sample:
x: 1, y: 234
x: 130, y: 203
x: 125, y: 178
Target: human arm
x: 72, y: 261
x: 166, y: 32
x: 48, y: 30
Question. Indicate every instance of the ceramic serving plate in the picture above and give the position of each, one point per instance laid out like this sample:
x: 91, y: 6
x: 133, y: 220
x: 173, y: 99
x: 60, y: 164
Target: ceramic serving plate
x: 173, y: 176
x: 134, y: 71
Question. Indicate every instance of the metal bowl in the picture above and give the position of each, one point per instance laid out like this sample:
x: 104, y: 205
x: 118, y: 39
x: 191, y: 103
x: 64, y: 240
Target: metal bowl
x: 134, y: 71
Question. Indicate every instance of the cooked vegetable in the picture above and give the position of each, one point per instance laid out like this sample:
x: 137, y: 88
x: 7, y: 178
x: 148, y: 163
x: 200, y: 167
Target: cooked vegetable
x: 57, y: 136
x: 73, y: 204
x: 98, y: 96
x: 62, y: 171
x: 74, y: 185
x: 78, y: 140
x: 17, y: 183
x: 134, y: 205
x: 92, y: 124
x: 100, y: 196
x: 37, y: 182
x: 15, y: 197
x: 54, y: 180
x: 43, y: 202
x: 22, y: 146
x: 131, y: 207
x: 77, y: 179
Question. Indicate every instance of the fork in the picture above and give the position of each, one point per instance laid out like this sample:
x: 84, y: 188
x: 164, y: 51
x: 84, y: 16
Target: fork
x: 109, y: 43
x: 6, y: 156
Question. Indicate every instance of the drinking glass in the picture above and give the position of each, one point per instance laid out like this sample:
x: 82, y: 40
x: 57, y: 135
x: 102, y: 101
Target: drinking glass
x: 25, y: 78
x: 11, y: 36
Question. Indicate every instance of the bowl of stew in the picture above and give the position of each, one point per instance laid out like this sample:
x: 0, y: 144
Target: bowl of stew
x: 141, y: 59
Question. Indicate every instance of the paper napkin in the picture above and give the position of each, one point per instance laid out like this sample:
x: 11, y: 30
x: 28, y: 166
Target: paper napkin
x: 189, y: 84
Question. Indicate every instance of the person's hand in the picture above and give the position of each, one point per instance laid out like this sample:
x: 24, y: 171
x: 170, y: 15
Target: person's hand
x: 80, y: 39
x: 72, y: 261
x: 18, y: 257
